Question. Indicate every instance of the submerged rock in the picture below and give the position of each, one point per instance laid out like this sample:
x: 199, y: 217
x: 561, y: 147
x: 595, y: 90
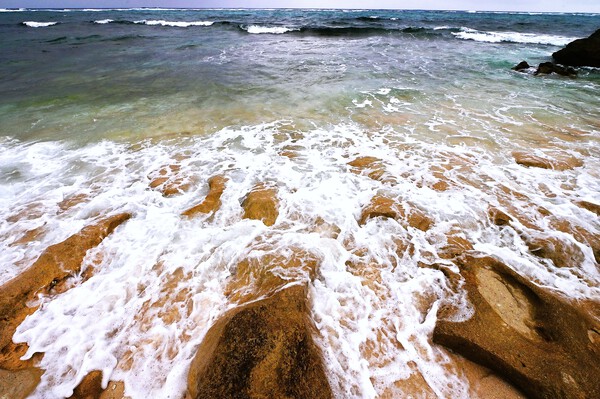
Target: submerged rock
x: 581, y: 52
x: 261, y: 204
x: 544, y: 344
x: 261, y: 350
x: 212, y: 202
x: 169, y: 181
x: 381, y: 206
x: 560, y: 162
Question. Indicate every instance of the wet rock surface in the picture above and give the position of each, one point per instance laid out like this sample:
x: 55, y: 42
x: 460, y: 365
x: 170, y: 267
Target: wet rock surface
x: 558, y: 162
x: 261, y: 203
x: 381, y: 206
x: 539, y: 341
x: 56, y: 264
x: 261, y: 350
x: 91, y: 388
x: 212, y: 202
x: 18, y: 384
x: 581, y: 52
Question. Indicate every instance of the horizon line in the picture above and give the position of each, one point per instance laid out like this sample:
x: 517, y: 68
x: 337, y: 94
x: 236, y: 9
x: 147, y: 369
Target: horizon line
x: 285, y: 8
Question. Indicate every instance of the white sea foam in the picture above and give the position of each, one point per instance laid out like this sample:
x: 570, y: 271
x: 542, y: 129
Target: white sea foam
x: 512, y: 37
x: 34, y: 24
x: 103, y: 21
x: 177, y: 24
x: 12, y: 9
x: 389, y: 301
x: 257, y: 29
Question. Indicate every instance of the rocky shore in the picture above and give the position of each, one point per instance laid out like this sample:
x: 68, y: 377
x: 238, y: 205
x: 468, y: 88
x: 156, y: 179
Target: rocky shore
x: 545, y: 345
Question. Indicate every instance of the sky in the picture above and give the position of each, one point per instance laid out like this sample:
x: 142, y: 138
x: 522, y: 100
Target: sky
x: 479, y: 5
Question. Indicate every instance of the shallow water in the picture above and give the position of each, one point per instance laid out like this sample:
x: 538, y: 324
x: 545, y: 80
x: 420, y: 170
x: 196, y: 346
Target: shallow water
x: 98, y: 108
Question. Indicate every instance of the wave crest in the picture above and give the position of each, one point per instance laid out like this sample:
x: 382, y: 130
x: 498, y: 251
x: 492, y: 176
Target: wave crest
x: 512, y: 37
x: 34, y: 24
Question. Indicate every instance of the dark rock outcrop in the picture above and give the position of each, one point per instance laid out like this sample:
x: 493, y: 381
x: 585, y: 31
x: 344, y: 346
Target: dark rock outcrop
x: 261, y: 350
x: 521, y: 66
x: 546, y: 68
x: 581, y: 52
x: 544, y: 344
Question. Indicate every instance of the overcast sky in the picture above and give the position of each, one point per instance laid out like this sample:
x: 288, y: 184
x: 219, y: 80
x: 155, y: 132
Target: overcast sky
x: 482, y: 5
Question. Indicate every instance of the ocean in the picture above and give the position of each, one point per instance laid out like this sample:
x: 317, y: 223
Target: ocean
x: 96, y: 104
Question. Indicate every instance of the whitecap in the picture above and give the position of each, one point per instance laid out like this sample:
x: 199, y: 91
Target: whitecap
x: 257, y: 29
x: 177, y: 24
x: 103, y: 21
x: 512, y: 37
x: 34, y: 24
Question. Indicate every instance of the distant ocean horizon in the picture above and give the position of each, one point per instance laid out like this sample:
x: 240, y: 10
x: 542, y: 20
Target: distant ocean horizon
x: 104, y: 111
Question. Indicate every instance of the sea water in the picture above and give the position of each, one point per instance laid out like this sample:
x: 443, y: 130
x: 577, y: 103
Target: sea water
x: 94, y: 102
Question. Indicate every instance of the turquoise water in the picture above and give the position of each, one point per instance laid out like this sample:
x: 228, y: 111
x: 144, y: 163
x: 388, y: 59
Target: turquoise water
x: 95, y: 105
x: 84, y: 81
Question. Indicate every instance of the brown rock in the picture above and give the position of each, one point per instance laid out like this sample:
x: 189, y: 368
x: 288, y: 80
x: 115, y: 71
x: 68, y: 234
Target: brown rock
x: 56, y: 263
x: 212, y: 202
x: 263, y: 275
x: 261, y: 204
x: 535, y: 339
x: 561, y: 253
x: 168, y: 180
x: 91, y: 388
x: 372, y: 167
x: 72, y: 201
x: 590, y: 206
x: 498, y: 217
x: 560, y: 162
x: 18, y: 384
x: 261, y: 350
x: 381, y: 206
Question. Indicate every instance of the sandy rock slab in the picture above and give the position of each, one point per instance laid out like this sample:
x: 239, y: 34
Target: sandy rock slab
x: 56, y: 264
x: 261, y: 350
x: 545, y: 345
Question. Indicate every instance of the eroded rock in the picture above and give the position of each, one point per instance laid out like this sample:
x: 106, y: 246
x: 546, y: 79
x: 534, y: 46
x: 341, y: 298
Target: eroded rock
x: 372, y: 167
x: 262, y: 275
x: 212, y: 202
x: 261, y: 204
x: 91, y: 388
x: 381, y: 206
x: 169, y: 180
x: 534, y: 338
x: 261, y: 350
x: 590, y: 206
x: 559, y: 162
x: 56, y: 263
